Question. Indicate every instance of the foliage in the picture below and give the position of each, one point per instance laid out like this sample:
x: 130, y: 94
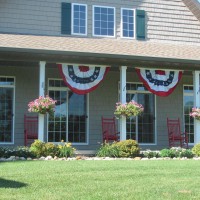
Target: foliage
x: 38, y: 148
x: 49, y: 149
x: 176, y: 152
x: 128, y: 109
x: 127, y: 148
x: 65, y: 149
x: 151, y: 154
x: 108, y: 150
x: 196, y: 149
x: 42, y: 105
x: 20, y: 151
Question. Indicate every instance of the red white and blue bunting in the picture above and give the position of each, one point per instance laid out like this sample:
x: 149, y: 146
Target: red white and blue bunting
x: 160, y: 82
x: 82, y: 79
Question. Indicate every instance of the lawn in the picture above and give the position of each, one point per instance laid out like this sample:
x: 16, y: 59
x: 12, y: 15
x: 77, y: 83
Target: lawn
x: 106, y: 180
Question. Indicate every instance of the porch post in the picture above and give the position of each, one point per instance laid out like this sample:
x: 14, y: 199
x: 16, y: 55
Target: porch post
x: 41, y: 93
x: 196, y: 82
x: 123, y: 100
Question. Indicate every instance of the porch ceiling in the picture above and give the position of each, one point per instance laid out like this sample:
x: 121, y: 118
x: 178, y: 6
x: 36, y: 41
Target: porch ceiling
x: 104, y: 51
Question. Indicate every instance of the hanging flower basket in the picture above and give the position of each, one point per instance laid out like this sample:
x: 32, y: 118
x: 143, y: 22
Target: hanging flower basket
x: 128, y: 110
x: 195, y: 113
x: 42, y: 105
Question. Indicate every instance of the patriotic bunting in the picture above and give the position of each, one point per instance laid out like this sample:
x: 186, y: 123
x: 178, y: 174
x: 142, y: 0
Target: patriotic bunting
x: 82, y: 79
x: 159, y: 82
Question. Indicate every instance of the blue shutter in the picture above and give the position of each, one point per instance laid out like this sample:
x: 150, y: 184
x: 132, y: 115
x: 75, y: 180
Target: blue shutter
x: 140, y: 25
x: 66, y: 18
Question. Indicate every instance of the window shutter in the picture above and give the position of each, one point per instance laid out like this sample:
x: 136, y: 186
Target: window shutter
x: 66, y: 18
x: 140, y: 24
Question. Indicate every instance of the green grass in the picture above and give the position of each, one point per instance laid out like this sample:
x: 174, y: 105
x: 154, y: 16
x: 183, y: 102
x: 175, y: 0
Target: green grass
x: 106, y: 180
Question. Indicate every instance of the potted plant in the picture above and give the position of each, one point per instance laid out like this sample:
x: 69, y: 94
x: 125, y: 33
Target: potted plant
x: 195, y: 113
x: 42, y: 105
x: 129, y: 109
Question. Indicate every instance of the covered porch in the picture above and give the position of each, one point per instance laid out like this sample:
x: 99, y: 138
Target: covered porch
x: 35, y: 73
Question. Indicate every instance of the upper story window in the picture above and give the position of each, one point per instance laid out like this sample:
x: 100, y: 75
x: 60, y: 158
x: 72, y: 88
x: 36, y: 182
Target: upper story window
x: 103, y: 21
x: 128, y: 23
x: 79, y: 19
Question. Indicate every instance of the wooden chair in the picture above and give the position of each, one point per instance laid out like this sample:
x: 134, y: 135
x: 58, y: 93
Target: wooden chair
x: 30, y: 128
x: 176, y: 138
x: 109, y: 132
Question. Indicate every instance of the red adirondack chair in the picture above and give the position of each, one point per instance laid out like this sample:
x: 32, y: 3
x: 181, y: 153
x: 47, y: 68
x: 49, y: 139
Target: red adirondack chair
x: 176, y: 138
x: 30, y: 128
x: 109, y: 132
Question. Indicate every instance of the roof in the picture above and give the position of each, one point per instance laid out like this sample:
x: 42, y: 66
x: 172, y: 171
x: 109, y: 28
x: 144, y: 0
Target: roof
x: 96, y: 46
x: 194, y: 7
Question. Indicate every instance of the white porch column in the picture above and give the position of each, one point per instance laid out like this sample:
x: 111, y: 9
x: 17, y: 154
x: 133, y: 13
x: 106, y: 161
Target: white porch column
x: 196, y: 82
x: 41, y: 93
x: 123, y: 100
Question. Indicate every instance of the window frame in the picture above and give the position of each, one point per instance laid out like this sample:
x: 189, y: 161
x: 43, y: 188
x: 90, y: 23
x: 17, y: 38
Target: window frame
x: 184, y: 95
x: 13, y: 121
x: 72, y: 19
x: 87, y: 112
x: 134, y: 23
x: 93, y: 21
x: 155, y: 110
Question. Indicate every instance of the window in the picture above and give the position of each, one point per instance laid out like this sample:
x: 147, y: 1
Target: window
x: 141, y: 128
x: 69, y: 121
x: 79, y: 19
x: 188, y: 103
x: 128, y: 23
x: 7, y: 86
x: 103, y: 21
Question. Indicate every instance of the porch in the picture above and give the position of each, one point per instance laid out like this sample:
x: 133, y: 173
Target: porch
x: 35, y: 72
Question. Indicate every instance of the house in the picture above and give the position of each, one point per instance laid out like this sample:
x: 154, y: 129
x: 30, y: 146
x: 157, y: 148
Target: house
x: 37, y: 36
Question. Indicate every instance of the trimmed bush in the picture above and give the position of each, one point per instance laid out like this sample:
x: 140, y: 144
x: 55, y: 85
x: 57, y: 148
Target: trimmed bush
x: 196, y: 149
x: 127, y: 148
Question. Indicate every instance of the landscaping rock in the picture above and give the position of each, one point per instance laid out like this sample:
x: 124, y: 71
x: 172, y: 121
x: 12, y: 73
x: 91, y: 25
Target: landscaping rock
x: 48, y: 158
x: 137, y: 158
x: 144, y: 159
x: 42, y: 158
x: 22, y: 158
x: 29, y: 158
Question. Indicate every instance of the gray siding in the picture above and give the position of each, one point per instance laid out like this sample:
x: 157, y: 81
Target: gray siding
x: 167, y: 20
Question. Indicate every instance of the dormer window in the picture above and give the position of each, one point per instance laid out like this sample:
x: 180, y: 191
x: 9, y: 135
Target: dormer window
x: 128, y: 23
x: 104, y: 21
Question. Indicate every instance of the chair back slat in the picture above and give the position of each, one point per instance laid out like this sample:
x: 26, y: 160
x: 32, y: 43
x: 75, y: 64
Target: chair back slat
x: 109, y: 129
x: 175, y: 136
x: 30, y: 128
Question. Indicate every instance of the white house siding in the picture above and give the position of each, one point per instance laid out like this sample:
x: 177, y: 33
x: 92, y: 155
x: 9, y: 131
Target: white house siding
x: 167, y: 20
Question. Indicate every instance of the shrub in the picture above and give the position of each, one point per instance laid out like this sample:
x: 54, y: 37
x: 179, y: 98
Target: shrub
x: 196, y: 149
x: 176, y: 152
x: 17, y: 151
x: 186, y: 153
x: 51, y: 149
x: 108, y: 150
x: 151, y: 154
x: 65, y: 149
x: 38, y: 148
x: 167, y: 153
x: 127, y: 148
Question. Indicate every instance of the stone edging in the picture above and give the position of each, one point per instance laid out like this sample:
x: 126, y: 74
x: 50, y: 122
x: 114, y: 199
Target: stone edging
x: 15, y: 158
